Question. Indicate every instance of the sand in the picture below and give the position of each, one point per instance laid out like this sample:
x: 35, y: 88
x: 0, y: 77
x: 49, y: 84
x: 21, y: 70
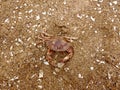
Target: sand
x: 95, y: 64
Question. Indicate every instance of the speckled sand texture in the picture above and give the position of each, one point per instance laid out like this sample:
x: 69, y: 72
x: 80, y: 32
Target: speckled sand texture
x: 95, y: 64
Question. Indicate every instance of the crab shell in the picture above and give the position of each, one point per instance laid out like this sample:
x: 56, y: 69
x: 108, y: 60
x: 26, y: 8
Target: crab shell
x: 58, y: 44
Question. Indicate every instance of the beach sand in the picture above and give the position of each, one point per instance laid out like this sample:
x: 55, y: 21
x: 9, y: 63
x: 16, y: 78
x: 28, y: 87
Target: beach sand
x: 95, y: 64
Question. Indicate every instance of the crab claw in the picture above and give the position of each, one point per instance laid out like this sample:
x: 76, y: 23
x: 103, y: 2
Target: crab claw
x: 70, y: 54
x: 49, y: 58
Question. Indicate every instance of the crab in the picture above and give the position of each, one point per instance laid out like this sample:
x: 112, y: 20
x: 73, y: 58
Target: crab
x: 57, y: 44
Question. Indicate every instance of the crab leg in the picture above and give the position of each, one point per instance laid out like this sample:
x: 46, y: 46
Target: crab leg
x: 48, y: 56
x: 70, y: 39
x: 45, y: 35
x: 70, y: 54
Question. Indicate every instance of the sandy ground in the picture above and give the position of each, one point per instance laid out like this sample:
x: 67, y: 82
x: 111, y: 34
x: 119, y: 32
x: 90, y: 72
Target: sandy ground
x: 95, y: 64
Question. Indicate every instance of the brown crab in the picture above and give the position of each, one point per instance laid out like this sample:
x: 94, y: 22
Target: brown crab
x: 57, y: 44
